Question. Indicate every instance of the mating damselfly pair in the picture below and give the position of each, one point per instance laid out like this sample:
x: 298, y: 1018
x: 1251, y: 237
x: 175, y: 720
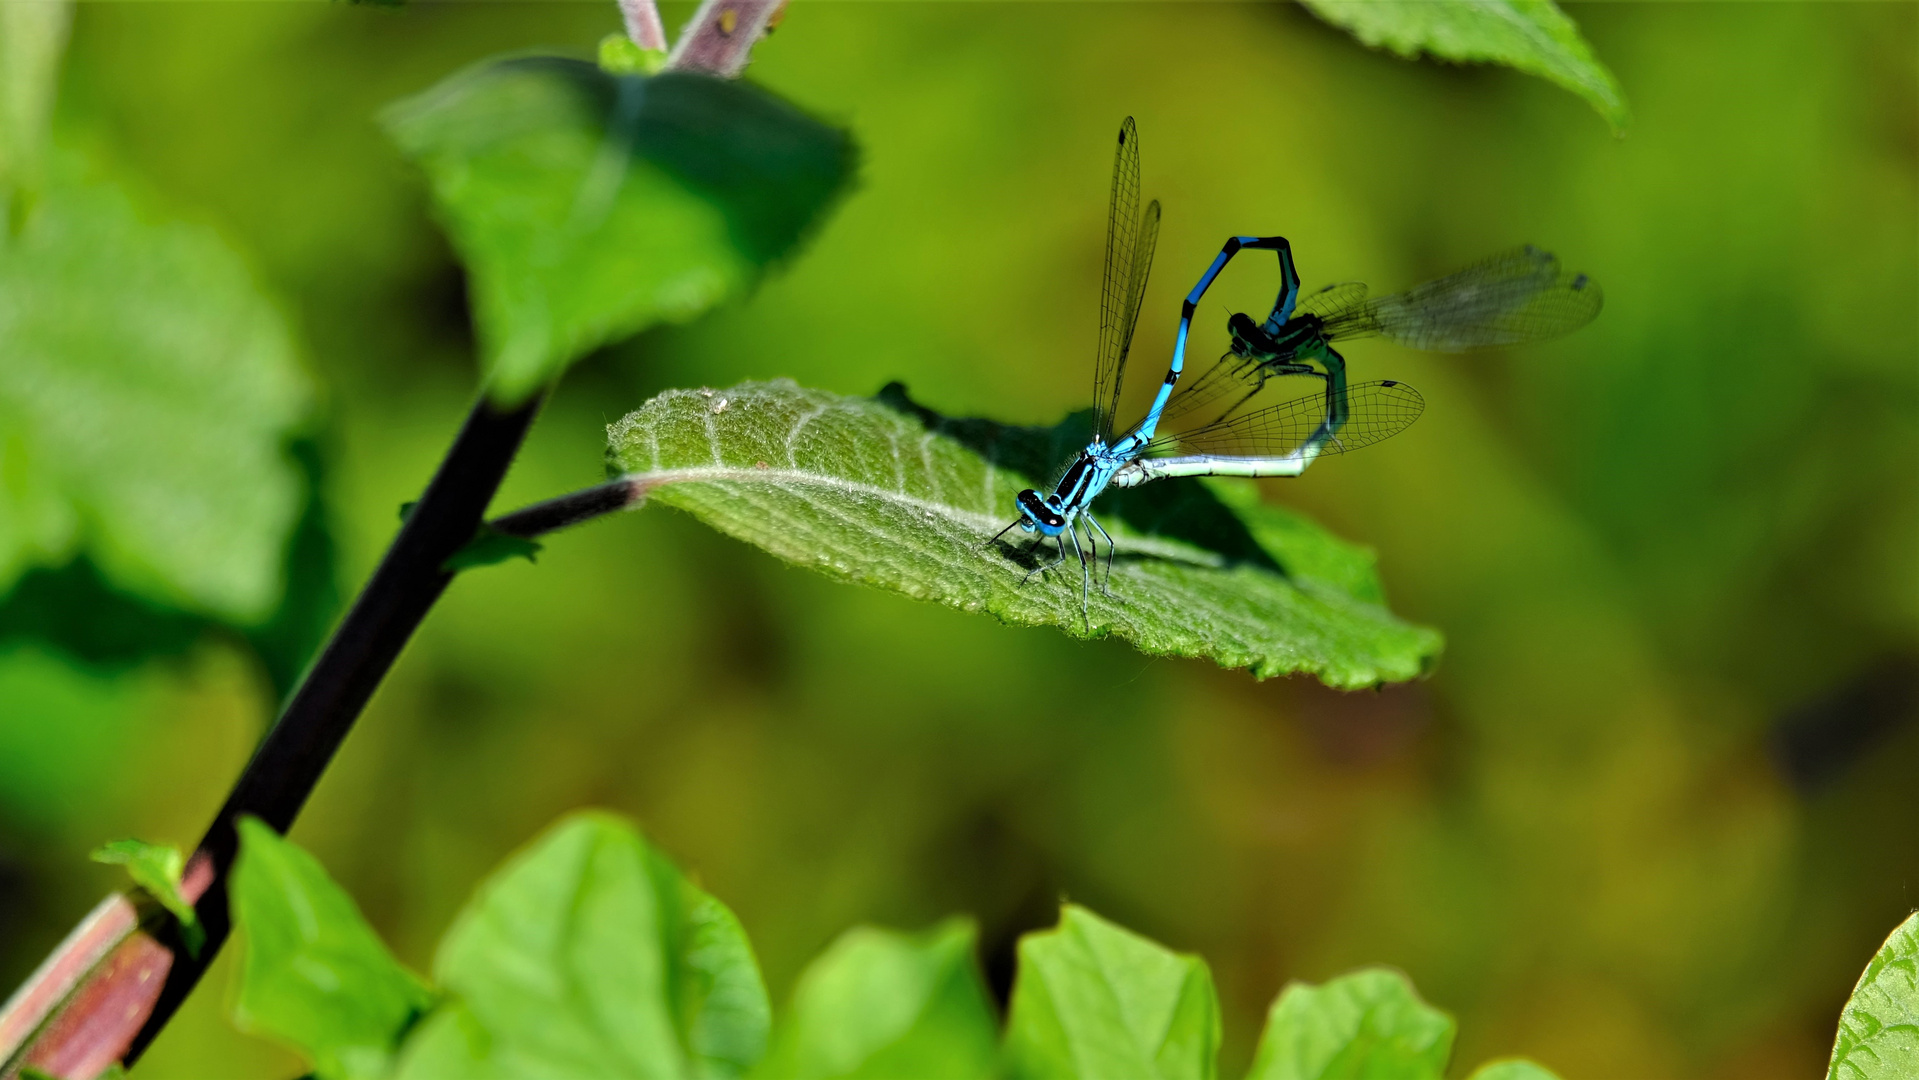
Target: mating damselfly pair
x: 1516, y: 297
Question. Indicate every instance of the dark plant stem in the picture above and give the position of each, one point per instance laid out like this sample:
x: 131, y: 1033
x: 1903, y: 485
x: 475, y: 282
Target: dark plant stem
x: 294, y: 754
x: 573, y: 508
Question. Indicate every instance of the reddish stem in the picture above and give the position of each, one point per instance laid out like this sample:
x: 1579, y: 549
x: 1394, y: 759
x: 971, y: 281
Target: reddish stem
x: 721, y: 35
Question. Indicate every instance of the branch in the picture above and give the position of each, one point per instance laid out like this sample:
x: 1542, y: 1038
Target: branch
x: 721, y: 35
x: 115, y: 1012
x: 643, y: 25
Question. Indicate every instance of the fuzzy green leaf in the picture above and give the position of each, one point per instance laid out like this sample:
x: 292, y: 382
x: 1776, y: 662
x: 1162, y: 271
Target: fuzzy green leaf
x: 156, y: 868
x: 880, y: 491
x: 315, y: 976
x: 147, y: 391
x: 1093, y: 1000
x: 881, y: 1004
x: 588, y: 206
x: 1533, y: 36
x: 1366, y: 1024
x: 591, y: 955
x: 1513, y: 1069
x: 1879, y: 1028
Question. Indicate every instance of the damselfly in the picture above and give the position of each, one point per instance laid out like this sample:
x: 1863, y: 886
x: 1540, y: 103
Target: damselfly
x: 1277, y: 441
x: 1510, y: 299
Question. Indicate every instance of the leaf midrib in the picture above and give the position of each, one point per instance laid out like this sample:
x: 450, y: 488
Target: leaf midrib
x: 1127, y: 541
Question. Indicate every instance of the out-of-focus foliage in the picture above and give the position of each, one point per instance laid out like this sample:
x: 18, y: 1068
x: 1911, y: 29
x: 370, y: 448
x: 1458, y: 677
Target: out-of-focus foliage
x: 588, y: 206
x: 880, y: 1004
x: 592, y: 955
x: 156, y: 868
x: 1367, y: 1023
x: 1879, y: 1030
x: 619, y: 55
x: 1533, y: 36
x: 31, y: 38
x: 314, y: 975
x: 176, y: 482
x: 1647, y: 543
x: 879, y: 491
x: 1512, y: 1069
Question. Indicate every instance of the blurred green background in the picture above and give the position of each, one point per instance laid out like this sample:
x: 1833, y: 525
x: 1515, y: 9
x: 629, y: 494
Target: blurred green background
x: 1649, y: 818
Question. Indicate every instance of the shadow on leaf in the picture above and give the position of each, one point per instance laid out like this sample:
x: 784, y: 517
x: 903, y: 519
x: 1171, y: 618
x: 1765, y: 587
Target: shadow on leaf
x: 1182, y: 510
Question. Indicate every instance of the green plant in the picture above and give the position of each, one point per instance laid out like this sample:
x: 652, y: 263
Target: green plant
x: 587, y: 205
x: 590, y: 954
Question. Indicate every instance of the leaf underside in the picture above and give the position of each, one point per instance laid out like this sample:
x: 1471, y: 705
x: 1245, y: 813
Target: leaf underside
x: 1532, y: 36
x: 883, y: 492
x: 1879, y: 1029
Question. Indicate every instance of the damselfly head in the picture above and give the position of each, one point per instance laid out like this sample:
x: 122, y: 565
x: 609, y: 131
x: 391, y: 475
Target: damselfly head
x: 1249, y: 340
x: 1040, y: 513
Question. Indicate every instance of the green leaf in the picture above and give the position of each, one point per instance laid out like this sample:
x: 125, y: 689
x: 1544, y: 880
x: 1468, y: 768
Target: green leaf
x: 1097, y: 1002
x: 156, y: 868
x: 591, y: 955
x: 147, y: 391
x: 885, y: 493
x: 1366, y: 1024
x: 620, y: 55
x: 1513, y: 1069
x: 1879, y: 1028
x: 314, y: 974
x: 490, y: 546
x: 1533, y: 36
x: 880, y: 1005
x: 588, y: 206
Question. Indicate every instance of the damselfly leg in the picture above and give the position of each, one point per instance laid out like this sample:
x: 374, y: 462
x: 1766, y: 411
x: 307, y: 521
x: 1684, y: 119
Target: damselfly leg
x: 1106, y: 586
x: 1061, y: 541
x: 1085, y: 575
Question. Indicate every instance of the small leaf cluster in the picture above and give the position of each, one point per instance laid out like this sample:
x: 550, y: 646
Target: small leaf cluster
x: 591, y: 954
x: 156, y: 869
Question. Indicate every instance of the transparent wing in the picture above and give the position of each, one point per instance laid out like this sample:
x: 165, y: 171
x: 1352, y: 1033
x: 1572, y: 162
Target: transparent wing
x: 1334, y: 302
x: 1223, y: 388
x: 1129, y: 258
x: 1521, y: 295
x: 1232, y: 380
x: 1375, y: 411
x: 1218, y: 391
